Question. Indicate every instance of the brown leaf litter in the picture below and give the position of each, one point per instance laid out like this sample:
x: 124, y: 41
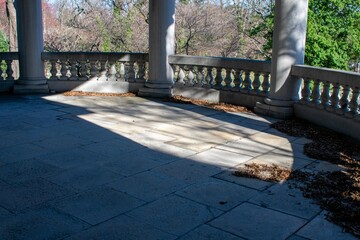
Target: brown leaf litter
x: 224, y: 107
x: 337, y: 192
x: 95, y: 94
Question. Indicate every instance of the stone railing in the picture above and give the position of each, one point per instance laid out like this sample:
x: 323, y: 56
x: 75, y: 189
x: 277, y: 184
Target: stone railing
x: 229, y: 74
x: 81, y: 66
x: 6, y: 62
x: 332, y: 90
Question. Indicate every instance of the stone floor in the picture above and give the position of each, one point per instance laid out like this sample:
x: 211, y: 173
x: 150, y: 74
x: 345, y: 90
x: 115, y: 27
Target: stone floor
x: 134, y: 168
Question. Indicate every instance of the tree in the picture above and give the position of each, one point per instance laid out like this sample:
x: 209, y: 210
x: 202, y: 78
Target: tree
x: 4, y: 45
x: 333, y: 33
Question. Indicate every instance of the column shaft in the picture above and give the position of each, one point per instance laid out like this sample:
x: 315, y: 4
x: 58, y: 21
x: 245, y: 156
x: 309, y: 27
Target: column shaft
x: 161, y: 45
x: 288, y: 49
x: 30, y: 45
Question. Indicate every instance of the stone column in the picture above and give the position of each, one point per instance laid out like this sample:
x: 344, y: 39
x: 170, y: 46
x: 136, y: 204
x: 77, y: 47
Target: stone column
x: 288, y: 49
x: 31, y: 45
x: 161, y: 45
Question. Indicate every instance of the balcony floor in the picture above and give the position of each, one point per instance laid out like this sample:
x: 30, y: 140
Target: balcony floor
x: 134, y: 168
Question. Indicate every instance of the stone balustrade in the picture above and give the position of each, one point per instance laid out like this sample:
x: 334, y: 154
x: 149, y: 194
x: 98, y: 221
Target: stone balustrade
x: 81, y: 66
x: 229, y: 74
x: 332, y: 90
x: 6, y: 61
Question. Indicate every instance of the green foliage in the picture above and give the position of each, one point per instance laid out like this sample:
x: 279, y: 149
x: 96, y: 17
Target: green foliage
x: 333, y: 33
x: 4, y: 44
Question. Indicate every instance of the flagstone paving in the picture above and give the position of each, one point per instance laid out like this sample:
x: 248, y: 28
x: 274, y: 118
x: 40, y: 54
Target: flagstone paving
x: 84, y: 167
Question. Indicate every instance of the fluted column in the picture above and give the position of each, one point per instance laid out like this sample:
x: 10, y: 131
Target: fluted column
x: 288, y: 49
x: 30, y: 45
x: 161, y: 45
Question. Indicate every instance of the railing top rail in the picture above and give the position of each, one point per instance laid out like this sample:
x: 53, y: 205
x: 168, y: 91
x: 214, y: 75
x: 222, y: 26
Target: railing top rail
x: 332, y: 75
x: 102, y: 56
x: 9, y: 55
x: 235, y: 63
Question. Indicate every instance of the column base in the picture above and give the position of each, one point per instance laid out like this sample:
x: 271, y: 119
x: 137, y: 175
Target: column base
x: 279, y: 112
x: 31, y: 89
x: 156, y: 92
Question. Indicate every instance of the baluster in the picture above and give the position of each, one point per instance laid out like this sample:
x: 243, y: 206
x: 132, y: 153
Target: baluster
x: 200, y: 76
x: 354, y: 103
x: 103, y: 71
x: 122, y: 71
x: 64, y: 70
x: 83, y: 70
x: 141, y: 72
x: 210, y: 82
x: 2, y: 77
x: 131, y: 72
x: 218, y: 78
x: 238, y: 80
x: 228, y: 79
x: 53, y: 70
x: 73, y: 70
x: 344, y: 101
x: 256, y: 83
x: 191, y: 77
x: 315, y: 96
x: 93, y: 69
x: 335, y: 97
x: 111, y: 72
x: 266, y: 84
x: 181, y: 77
x: 306, y: 92
x: 9, y: 71
x: 325, y: 95
x: 247, y: 83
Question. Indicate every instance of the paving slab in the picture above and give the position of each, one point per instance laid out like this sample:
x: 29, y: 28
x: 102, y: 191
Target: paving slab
x: 135, y: 162
x: 217, y: 194
x: 283, y: 198
x: 148, y: 186
x: 206, y: 232
x: 85, y: 177
x: 220, y: 158
x: 98, y: 205
x: 72, y: 158
x: 26, y: 170
x: 228, y: 175
x: 39, y: 224
x: 320, y: 228
x: 187, y: 170
x: 181, y: 215
x: 21, y: 152
x: 122, y: 227
x: 114, y: 147
x: 4, y: 215
x: 271, y: 139
x: 30, y: 193
x: 67, y: 141
x: 246, y: 147
x: 255, y: 222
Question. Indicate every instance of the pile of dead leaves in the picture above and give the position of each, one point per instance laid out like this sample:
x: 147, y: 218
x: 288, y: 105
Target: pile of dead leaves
x: 337, y: 192
x: 95, y: 94
x: 271, y: 173
x: 225, y: 107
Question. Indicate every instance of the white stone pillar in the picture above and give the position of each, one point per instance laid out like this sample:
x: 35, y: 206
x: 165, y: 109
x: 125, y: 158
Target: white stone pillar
x: 31, y: 45
x: 288, y: 49
x: 161, y: 45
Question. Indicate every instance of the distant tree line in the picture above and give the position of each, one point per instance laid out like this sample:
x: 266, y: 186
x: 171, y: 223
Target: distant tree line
x: 227, y: 28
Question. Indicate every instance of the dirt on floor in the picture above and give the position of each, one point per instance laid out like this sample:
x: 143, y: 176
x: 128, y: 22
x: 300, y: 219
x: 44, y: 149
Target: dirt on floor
x: 338, y: 192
